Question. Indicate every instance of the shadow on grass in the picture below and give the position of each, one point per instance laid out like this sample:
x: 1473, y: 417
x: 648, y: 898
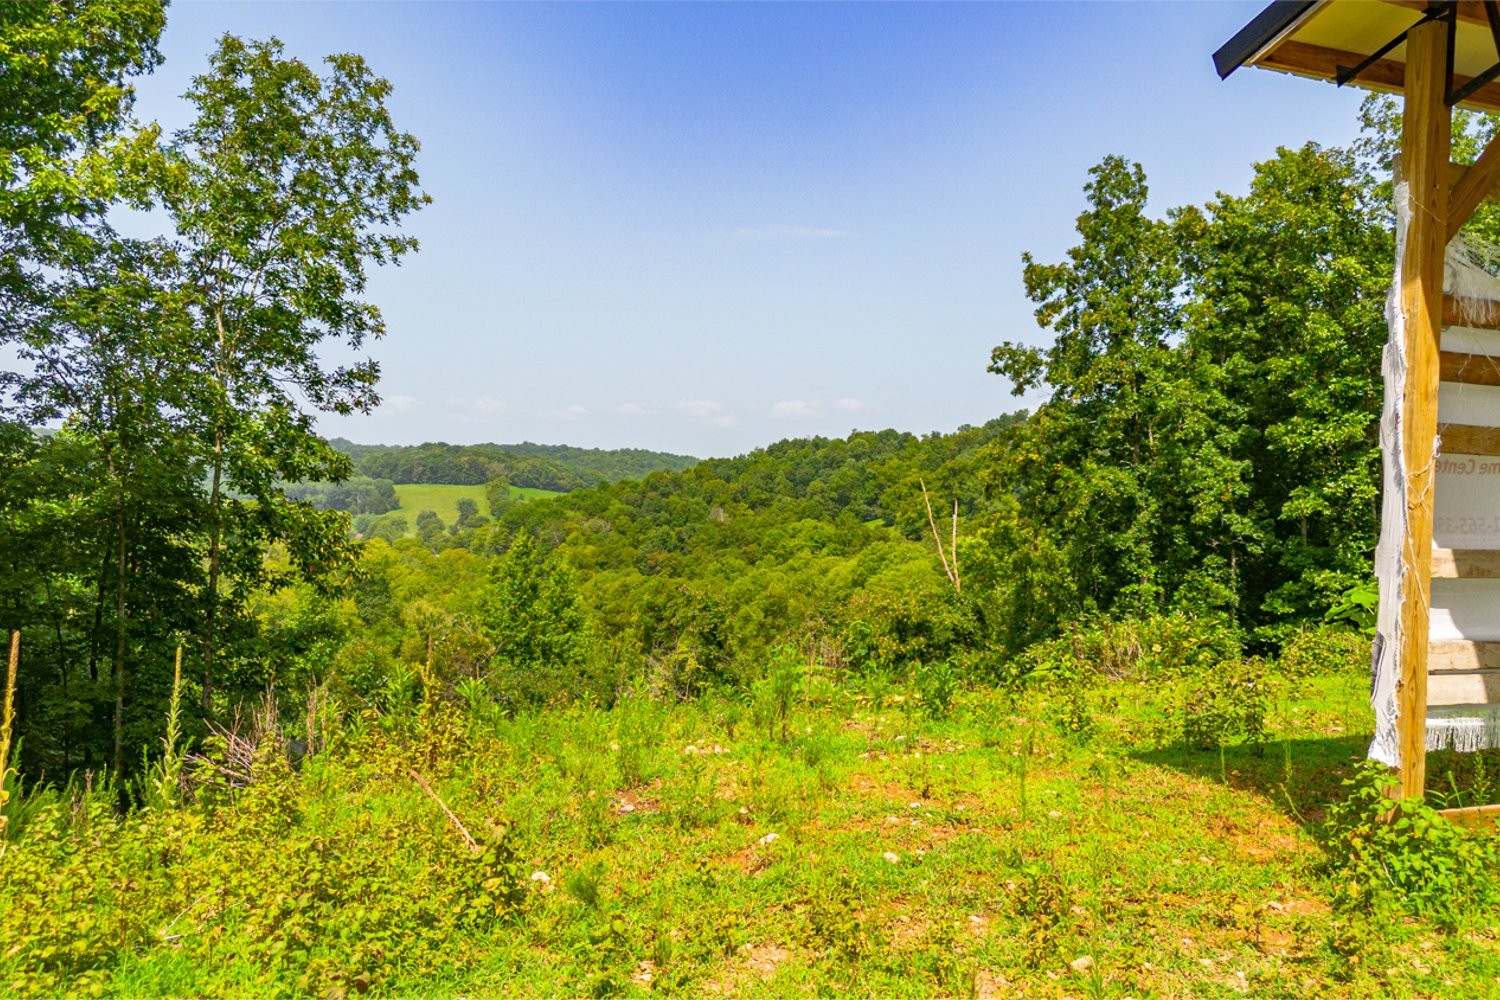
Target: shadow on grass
x: 1299, y: 777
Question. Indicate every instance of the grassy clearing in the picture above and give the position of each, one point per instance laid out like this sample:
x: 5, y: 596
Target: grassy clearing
x: 702, y: 849
x: 443, y: 499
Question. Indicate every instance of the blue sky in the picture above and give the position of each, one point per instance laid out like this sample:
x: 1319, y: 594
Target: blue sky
x: 704, y: 228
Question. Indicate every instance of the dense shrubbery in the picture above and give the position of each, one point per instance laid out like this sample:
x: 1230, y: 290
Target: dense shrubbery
x: 1155, y: 648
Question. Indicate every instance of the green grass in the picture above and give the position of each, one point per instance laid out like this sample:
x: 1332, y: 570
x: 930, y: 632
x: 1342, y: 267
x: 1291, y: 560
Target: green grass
x: 688, y: 850
x: 532, y: 493
x: 443, y: 499
x: 417, y: 497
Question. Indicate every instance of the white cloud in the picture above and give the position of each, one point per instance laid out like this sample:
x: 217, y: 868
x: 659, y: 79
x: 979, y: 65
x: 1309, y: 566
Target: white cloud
x: 478, y: 409
x: 797, y: 409
x: 634, y: 410
x: 699, y: 409
x: 850, y: 405
x: 577, y: 411
x: 784, y: 232
x: 709, y: 411
x: 401, y: 404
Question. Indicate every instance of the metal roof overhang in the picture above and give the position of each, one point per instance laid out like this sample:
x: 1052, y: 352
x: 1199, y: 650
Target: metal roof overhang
x: 1362, y: 43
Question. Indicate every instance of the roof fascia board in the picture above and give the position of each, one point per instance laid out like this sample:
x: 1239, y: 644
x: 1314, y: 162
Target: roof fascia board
x: 1265, y: 30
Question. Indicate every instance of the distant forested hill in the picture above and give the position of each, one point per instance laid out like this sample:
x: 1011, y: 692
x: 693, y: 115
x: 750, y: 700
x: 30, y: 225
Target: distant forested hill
x: 562, y: 468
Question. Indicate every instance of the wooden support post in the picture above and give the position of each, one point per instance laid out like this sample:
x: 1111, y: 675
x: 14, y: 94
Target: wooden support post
x: 1425, y: 137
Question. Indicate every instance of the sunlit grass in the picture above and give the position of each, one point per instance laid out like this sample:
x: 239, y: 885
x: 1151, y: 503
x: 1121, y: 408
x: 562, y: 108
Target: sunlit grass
x: 443, y: 499
x: 681, y: 850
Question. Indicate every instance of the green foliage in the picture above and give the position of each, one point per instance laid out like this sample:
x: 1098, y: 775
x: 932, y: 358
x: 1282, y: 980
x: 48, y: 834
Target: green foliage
x: 835, y: 927
x: 179, y: 367
x: 65, y: 96
x: 775, y: 694
x: 497, y: 496
x: 1209, y: 441
x: 162, y: 782
x: 1226, y: 703
x: 554, y: 468
x: 1042, y: 900
x: 1075, y: 721
x: 1380, y: 847
x: 1159, y: 647
x: 936, y: 684
x: 891, y: 630
x: 1322, y: 650
x: 532, y: 614
x: 430, y: 530
x: 1357, y: 606
x: 356, y: 495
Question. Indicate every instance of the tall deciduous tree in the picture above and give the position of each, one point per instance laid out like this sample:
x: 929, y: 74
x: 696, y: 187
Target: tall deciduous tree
x: 74, y: 299
x: 110, y: 360
x: 65, y: 94
x: 1095, y: 444
x: 285, y: 189
x: 1210, y: 439
x: 1286, y: 323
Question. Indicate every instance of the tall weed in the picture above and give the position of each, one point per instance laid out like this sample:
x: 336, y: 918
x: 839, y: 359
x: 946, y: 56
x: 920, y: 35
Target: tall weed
x: 1162, y: 646
x: 1407, y: 851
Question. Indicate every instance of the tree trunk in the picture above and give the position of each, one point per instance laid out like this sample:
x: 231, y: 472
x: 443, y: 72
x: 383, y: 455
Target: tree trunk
x: 94, y: 636
x: 215, y: 538
x: 120, y: 634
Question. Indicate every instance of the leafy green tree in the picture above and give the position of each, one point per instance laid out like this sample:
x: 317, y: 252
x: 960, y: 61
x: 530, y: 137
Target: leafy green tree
x: 1286, y: 327
x: 430, y: 529
x: 83, y: 311
x: 391, y: 527
x: 497, y: 496
x: 533, y: 615
x: 110, y: 359
x: 283, y: 190
x: 65, y: 146
x: 1090, y: 450
x: 1210, y: 440
x: 468, y: 515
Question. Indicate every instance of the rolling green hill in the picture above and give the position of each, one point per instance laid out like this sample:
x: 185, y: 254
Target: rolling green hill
x: 443, y: 499
x: 558, y: 468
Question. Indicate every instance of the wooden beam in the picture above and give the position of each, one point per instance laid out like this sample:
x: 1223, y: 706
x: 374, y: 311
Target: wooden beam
x: 1471, y: 12
x: 1463, y: 655
x: 1466, y: 564
x: 1473, y: 817
x: 1426, y: 123
x: 1476, y: 184
x: 1304, y: 59
x: 1469, y: 369
x: 1467, y: 687
x: 1476, y: 314
x: 1456, y: 174
x: 1469, y: 439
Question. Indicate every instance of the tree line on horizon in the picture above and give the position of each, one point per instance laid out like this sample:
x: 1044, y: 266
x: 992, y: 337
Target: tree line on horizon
x: 557, y: 468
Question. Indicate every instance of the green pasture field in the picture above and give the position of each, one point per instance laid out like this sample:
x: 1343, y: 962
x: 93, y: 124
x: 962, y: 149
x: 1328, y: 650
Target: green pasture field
x: 443, y: 499
x: 1040, y: 843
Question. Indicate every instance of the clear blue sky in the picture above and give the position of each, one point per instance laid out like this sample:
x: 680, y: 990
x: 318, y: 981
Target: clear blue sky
x: 704, y: 228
